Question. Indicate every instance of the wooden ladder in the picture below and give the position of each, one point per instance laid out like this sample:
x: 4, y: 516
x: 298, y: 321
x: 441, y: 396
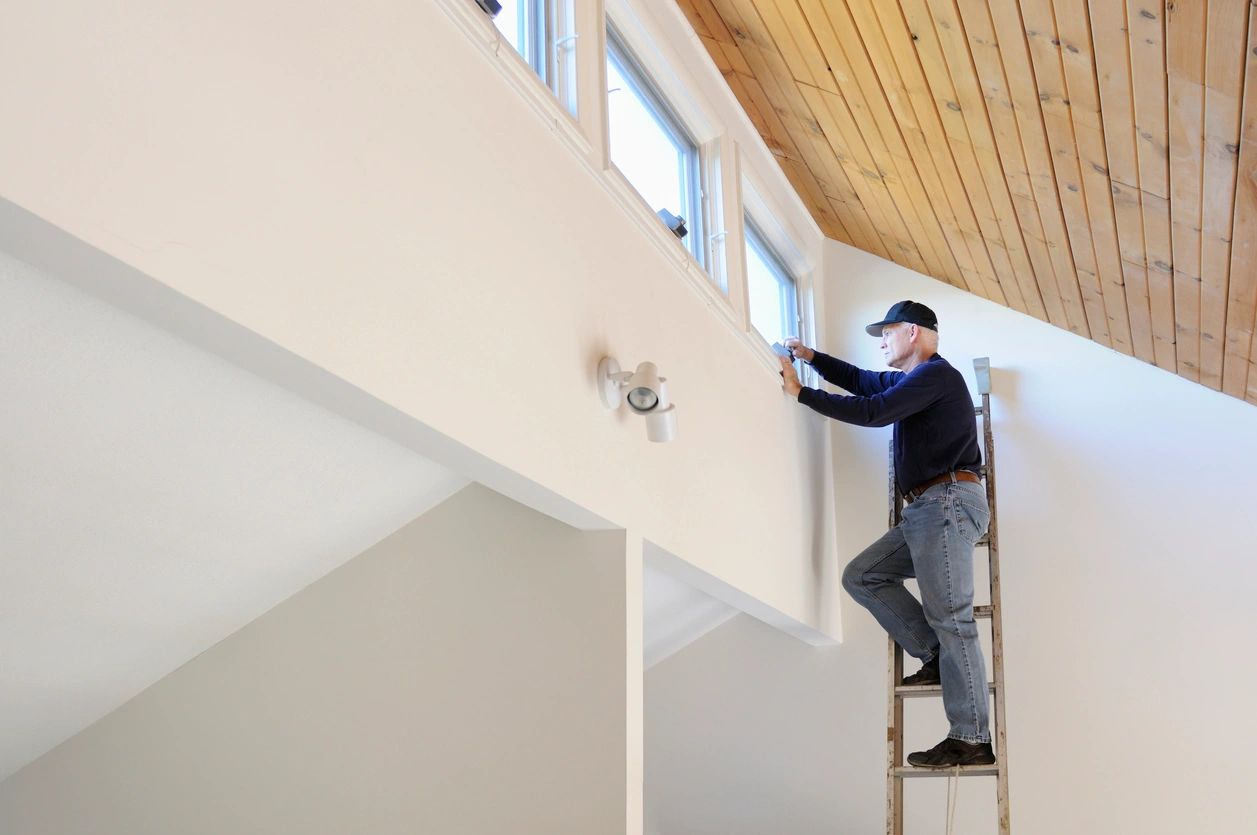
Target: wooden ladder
x: 896, y: 771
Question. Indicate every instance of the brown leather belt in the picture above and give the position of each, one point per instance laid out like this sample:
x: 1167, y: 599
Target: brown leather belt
x: 945, y: 478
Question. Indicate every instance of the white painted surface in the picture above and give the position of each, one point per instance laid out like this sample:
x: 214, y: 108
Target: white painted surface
x: 463, y: 676
x: 675, y: 615
x: 364, y: 190
x: 1127, y: 543
x: 153, y: 500
x: 743, y: 736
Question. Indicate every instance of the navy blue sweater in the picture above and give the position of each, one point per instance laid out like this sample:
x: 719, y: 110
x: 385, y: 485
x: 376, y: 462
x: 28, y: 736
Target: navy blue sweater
x: 936, y: 430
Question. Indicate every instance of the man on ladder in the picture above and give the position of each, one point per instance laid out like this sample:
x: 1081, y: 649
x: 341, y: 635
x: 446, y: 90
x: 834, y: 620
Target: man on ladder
x: 937, y: 463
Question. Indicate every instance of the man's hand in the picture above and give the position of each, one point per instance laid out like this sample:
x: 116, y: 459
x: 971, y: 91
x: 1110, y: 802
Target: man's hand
x: 789, y: 380
x: 794, y: 346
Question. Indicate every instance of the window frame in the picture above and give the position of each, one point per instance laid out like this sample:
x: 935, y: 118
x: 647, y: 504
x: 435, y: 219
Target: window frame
x: 696, y: 159
x: 755, y: 239
x: 782, y: 238
x: 549, y: 42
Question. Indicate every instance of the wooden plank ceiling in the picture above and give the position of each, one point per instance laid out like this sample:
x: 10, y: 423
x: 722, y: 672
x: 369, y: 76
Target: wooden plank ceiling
x: 1091, y: 164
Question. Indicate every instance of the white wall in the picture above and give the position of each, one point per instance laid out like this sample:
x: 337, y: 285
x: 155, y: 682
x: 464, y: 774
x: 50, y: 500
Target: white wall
x: 1128, y: 547
x: 466, y: 675
x: 359, y: 186
x: 155, y: 499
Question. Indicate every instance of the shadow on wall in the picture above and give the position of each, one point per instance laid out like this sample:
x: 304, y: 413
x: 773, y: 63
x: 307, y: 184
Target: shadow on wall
x: 819, y: 514
x: 1004, y: 384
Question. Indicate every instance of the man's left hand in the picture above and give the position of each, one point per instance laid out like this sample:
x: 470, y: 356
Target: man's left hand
x: 789, y: 379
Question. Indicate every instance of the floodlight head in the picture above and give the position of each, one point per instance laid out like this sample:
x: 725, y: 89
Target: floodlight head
x: 661, y: 424
x: 645, y: 389
x: 645, y: 392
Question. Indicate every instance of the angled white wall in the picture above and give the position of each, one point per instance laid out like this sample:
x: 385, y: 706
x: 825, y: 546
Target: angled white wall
x: 361, y: 188
x: 1128, y: 543
x: 466, y: 675
x: 154, y: 499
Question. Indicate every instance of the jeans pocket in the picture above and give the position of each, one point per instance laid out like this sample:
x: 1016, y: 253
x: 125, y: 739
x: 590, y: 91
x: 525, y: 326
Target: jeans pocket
x: 971, y: 519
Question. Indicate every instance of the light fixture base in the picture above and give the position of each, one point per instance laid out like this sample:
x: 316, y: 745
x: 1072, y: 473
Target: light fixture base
x: 608, y: 385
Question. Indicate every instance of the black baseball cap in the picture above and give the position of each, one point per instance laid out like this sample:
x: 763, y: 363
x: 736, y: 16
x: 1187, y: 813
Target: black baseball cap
x: 911, y: 312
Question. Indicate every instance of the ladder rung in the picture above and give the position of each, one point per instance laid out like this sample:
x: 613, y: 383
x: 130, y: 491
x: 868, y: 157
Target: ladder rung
x: 918, y: 690
x: 982, y: 611
x: 965, y: 771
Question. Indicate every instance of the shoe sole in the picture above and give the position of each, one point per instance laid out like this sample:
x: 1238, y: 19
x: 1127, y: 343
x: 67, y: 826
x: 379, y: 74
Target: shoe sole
x: 951, y: 765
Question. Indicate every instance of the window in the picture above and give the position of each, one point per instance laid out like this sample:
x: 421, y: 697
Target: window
x: 651, y: 147
x: 523, y: 24
x: 530, y: 27
x: 771, y: 292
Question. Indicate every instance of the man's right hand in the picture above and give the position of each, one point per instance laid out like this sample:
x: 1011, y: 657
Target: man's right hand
x: 798, y: 349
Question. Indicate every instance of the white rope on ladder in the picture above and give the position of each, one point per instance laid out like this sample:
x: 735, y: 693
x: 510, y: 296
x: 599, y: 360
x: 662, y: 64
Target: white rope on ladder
x: 952, y: 800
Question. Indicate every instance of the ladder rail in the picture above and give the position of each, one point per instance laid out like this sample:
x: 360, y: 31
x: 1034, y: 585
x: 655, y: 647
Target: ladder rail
x: 896, y: 771
x: 997, y: 621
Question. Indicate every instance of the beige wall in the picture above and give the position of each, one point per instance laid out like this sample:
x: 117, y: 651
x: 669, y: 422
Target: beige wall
x: 361, y: 187
x: 466, y: 675
x: 1128, y: 547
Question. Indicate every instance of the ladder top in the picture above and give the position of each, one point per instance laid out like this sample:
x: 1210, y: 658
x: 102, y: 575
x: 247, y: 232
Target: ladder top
x: 982, y: 370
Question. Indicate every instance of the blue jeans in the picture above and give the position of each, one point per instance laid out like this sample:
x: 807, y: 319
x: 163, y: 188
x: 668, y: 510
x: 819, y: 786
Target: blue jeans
x: 934, y: 543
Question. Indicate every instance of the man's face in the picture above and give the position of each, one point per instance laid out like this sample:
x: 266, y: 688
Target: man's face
x: 897, y: 343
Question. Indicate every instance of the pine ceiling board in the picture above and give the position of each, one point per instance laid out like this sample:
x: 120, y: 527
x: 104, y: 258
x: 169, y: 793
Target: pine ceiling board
x: 923, y: 132
x: 915, y: 158
x: 955, y: 44
x: 889, y: 162
x: 844, y: 54
x: 696, y: 20
x: 1045, y: 53
x: 718, y: 56
x: 925, y: 190
x: 787, y: 139
x: 858, y: 233
x: 1129, y: 216
x: 702, y: 13
x: 787, y: 152
x: 914, y: 108
x: 851, y: 153
x: 789, y: 17
x: 873, y: 108
x: 1043, y: 229
x: 1146, y: 38
x: 1108, y: 27
x: 965, y: 159
x: 1077, y: 59
x: 1019, y: 72
x: 1090, y: 162
x: 994, y: 135
x: 1184, y: 63
x: 1224, y: 81
x: 791, y: 121
x: 849, y: 146
x: 1238, y: 379
x: 839, y: 232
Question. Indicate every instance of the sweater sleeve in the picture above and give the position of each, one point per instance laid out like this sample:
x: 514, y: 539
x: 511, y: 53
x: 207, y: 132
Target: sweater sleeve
x: 855, y: 380
x: 912, y: 393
